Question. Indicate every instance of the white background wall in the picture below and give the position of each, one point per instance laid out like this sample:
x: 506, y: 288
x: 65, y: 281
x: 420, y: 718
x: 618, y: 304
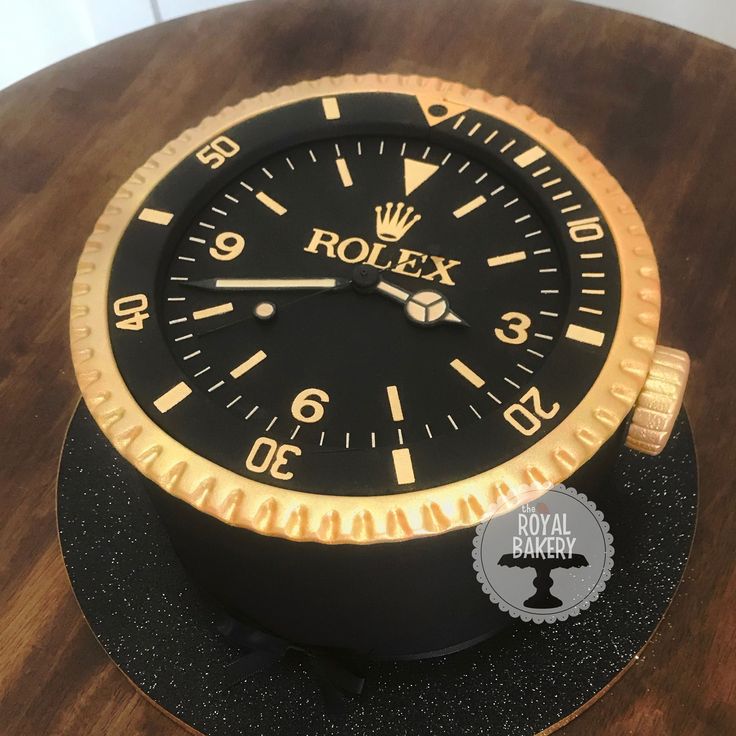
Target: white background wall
x: 36, y: 33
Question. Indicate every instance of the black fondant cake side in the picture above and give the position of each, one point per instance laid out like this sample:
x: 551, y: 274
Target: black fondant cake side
x: 415, y: 598
x: 150, y: 618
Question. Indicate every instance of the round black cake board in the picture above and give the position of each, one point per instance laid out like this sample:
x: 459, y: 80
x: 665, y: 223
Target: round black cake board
x: 532, y: 678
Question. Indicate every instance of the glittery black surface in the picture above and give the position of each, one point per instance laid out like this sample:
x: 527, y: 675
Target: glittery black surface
x: 155, y: 627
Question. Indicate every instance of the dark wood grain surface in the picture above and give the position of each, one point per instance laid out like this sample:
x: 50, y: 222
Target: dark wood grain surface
x: 656, y: 104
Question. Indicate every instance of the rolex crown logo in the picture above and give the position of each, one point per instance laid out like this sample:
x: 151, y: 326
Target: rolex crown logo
x: 393, y: 223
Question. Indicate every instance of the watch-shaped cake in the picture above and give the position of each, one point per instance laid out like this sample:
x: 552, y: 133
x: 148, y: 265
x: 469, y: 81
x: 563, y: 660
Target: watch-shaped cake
x: 335, y: 325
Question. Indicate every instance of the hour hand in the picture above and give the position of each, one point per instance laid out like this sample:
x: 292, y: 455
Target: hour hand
x: 429, y: 308
x: 422, y: 307
x: 279, y: 284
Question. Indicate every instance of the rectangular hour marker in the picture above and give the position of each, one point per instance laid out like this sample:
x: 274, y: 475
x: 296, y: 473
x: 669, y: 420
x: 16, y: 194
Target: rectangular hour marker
x: 403, y: 466
x: 331, y: 108
x: 397, y: 413
x: 467, y: 373
x: 342, y: 169
x: 586, y: 335
x: 157, y: 217
x: 529, y: 156
x: 213, y: 311
x: 172, y: 397
x: 518, y: 255
x: 272, y: 204
x: 469, y: 206
x: 245, y: 366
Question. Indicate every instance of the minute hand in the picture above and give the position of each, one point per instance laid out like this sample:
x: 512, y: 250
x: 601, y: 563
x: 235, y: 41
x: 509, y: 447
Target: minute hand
x: 288, y: 284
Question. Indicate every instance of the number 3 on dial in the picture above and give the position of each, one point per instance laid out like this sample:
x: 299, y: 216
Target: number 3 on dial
x: 518, y: 324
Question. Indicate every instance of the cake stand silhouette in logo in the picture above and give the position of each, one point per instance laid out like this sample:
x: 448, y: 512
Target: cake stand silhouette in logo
x: 543, y: 566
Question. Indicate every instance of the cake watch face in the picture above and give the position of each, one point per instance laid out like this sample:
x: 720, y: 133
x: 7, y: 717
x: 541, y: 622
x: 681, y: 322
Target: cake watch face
x: 364, y: 294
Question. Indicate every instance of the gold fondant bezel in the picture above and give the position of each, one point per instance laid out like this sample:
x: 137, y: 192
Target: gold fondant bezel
x: 301, y: 516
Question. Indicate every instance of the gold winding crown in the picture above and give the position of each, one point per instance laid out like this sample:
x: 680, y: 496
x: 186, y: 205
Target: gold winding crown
x: 393, y: 224
x: 659, y: 402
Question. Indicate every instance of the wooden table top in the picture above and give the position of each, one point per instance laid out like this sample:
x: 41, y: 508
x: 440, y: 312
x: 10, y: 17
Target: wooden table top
x: 657, y: 105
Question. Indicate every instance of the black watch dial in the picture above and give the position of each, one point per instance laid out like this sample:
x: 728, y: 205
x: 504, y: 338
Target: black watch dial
x: 339, y: 298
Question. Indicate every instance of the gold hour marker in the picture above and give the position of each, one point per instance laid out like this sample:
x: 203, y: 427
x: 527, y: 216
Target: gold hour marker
x: 403, y: 465
x: 272, y: 204
x: 467, y: 373
x: 246, y: 365
x: 529, y: 156
x: 469, y: 206
x: 586, y: 335
x: 518, y: 255
x: 342, y: 169
x: 331, y: 108
x: 157, y: 217
x: 416, y: 173
x: 172, y: 397
x: 397, y: 413
x: 213, y: 311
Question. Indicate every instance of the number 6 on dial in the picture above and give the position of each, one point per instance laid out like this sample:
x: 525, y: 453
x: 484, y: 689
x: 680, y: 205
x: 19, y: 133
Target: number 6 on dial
x: 308, y: 406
